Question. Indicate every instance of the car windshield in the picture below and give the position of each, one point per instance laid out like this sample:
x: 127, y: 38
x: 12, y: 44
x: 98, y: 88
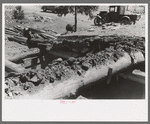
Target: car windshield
x: 113, y: 9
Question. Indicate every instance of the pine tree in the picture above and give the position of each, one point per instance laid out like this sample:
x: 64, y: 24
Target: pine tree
x: 86, y: 10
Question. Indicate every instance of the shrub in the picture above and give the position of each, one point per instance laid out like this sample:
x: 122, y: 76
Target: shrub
x: 18, y: 13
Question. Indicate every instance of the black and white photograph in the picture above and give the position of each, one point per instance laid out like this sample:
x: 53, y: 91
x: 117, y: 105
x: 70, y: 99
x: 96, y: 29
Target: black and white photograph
x: 75, y: 52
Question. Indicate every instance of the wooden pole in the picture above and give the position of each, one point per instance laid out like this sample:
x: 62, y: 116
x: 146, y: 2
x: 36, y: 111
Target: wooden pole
x: 109, y: 75
x: 75, y: 18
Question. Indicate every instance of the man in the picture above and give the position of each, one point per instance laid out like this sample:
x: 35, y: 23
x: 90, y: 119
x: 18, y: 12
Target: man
x: 27, y: 33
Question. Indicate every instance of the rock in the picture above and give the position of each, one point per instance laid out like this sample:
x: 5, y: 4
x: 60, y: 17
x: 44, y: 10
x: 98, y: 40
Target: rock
x: 10, y: 94
x: 71, y: 60
x: 6, y: 90
x: 16, y: 81
x: 10, y: 83
x: 58, y: 60
x: 16, y: 93
x: 6, y: 84
x: 81, y: 97
x: 25, y: 87
x: 79, y: 72
x: 58, y: 75
x: 23, y: 78
x: 97, y: 38
x: 70, y: 27
x: 34, y: 79
x: 32, y: 74
x: 85, y: 66
x: 43, y: 81
x: 91, y: 30
x: 103, y: 27
x: 51, y: 80
x: 38, y: 82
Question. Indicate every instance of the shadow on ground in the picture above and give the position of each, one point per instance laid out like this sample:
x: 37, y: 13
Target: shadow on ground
x: 123, y: 89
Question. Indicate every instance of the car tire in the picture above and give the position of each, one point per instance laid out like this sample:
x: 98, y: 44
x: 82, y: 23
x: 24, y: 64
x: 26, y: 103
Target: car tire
x: 44, y: 9
x: 97, y: 21
x: 124, y: 22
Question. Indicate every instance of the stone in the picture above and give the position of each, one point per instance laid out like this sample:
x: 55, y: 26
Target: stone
x: 79, y: 72
x: 25, y: 87
x: 81, y: 97
x: 10, y: 94
x: 85, y: 66
x: 51, y: 80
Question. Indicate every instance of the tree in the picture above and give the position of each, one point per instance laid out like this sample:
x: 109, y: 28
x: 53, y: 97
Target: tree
x: 86, y: 10
x: 18, y: 13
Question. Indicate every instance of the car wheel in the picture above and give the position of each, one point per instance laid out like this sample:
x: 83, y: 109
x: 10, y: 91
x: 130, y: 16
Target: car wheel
x: 44, y: 9
x: 125, y: 22
x: 97, y: 21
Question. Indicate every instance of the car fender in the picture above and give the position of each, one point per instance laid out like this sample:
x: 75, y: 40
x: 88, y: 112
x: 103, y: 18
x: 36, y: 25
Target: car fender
x: 125, y: 17
x: 98, y: 16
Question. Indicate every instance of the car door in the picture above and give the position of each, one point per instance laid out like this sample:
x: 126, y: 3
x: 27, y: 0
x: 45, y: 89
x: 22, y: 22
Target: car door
x: 113, y: 14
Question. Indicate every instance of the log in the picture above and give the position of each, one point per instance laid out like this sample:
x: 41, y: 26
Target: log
x: 18, y: 28
x: 11, y: 33
x: 10, y: 29
x: 30, y: 53
x: 44, y: 37
x: 48, y: 35
x: 12, y: 67
x: 36, y: 30
x: 18, y: 40
x: 70, y: 86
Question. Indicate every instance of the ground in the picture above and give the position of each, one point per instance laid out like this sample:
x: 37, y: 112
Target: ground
x: 53, y: 22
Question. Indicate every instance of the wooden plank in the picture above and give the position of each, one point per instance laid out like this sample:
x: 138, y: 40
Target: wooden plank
x: 109, y: 75
x: 48, y: 35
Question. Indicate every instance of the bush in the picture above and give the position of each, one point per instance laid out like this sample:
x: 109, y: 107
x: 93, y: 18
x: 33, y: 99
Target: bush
x: 18, y: 13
